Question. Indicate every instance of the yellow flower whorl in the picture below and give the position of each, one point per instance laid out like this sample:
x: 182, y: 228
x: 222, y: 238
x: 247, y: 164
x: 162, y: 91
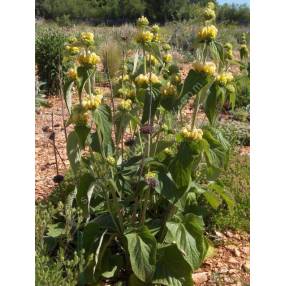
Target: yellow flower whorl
x: 90, y: 59
x: 125, y: 105
x: 72, y: 74
x: 224, y: 78
x: 142, y: 21
x: 168, y: 90
x: 87, y: 38
x: 167, y: 58
x: 144, y: 37
x: 195, y: 134
x: 207, y: 68
x: 208, y: 33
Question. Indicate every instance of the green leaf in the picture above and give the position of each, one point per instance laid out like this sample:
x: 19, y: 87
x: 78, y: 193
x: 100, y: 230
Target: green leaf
x: 150, y: 98
x: 82, y: 77
x: 158, y: 147
x: 85, y: 189
x: 82, y: 133
x: 91, y: 234
x: 142, y: 248
x: 181, y: 167
x: 56, y: 230
x: 171, y: 268
x: 102, y: 119
x: 193, y: 83
x: 214, y: 102
x: 185, y: 242
x: 167, y: 188
x: 227, y: 197
x: 73, y: 151
x: 212, y: 199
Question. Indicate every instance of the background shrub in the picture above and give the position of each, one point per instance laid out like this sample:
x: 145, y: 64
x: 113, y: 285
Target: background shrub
x: 49, y: 55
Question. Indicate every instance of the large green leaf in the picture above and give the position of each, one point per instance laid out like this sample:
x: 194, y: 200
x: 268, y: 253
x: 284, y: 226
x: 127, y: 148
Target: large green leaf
x: 85, y: 189
x: 227, y: 197
x: 182, y: 166
x: 151, y: 98
x: 214, y: 102
x: 167, y: 188
x: 142, y: 248
x: 185, y: 242
x: 193, y: 83
x: 171, y: 268
x: 73, y: 151
x: 102, y: 119
x: 82, y: 133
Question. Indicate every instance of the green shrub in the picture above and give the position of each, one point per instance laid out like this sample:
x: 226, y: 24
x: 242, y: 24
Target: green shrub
x: 242, y: 91
x: 237, y: 133
x: 241, y: 114
x: 49, y: 55
x: 236, y: 180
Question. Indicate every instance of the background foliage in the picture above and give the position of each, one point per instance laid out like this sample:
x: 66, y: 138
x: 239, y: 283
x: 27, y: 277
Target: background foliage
x: 119, y: 11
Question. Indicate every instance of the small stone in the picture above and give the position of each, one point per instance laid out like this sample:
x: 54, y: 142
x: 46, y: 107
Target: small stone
x: 219, y: 234
x: 229, y: 234
x: 236, y: 252
x: 223, y: 270
x: 245, y: 250
x: 232, y: 260
x: 200, y: 278
x: 246, y: 266
x: 232, y: 271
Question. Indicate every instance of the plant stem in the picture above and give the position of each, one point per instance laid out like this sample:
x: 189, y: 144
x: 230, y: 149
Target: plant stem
x: 146, y: 199
x: 54, y: 143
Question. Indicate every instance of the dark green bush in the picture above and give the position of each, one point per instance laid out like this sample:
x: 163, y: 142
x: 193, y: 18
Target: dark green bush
x: 242, y: 92
x: 49, y: 55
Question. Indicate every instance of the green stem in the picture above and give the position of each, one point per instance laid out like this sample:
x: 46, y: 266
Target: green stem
x: 146, y: 199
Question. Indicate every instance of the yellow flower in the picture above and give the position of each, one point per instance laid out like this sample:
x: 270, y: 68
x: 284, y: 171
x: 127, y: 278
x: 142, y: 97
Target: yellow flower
x: 155, y: 29
x: 209, y: 14
x: 211, y: 5
x: 90, y: 59
x: 72, y: 40
x: 176, y: 78
x: 110, y: 160
x: 141, y: 80
x: 72, y: 74
x: 208, y: 33
x: 153, y: 60
x: 166, y: 47
x: 230, y: 88
x: 153, y: 78
x: 142, y: 21
x: 150, y: 175
x: 244, y: 51
x: 168, y: 90
x: 156, y: 38
x: 144, y: 37
x: 87, y: 38
x: 195, y: 134
x: 92, y: 102
x: 208, y: 68
x: 228, y: 46
x: 224, y: 78
x: 125, y: 105
x: 167, y: 58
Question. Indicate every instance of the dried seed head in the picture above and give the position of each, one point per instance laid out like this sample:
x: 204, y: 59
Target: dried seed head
x: 58, y: 179
x: 147, y: 129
